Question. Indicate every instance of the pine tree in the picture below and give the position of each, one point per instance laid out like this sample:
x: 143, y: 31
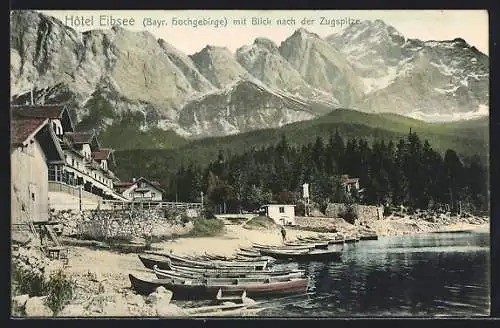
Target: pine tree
x: 454, y: 170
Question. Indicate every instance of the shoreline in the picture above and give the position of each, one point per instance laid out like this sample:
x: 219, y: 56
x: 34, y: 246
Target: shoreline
x: 101, y: 275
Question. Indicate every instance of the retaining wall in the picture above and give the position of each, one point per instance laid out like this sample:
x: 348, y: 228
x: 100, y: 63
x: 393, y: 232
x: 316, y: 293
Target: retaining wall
x: 130, y: 223
x: 364, y: 213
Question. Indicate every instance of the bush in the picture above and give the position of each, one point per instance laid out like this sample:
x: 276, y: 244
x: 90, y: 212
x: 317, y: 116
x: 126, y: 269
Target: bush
x: 27, y: 282
x: 349, y: 215
x: 58, y: 288
x: 206, y: 228
x: 208, y: 214
x: 185, y: 219
x: 60, y: 291
x: 260, y: 222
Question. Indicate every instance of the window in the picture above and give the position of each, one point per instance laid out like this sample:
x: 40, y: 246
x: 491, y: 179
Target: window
x: 33, y: 196
x: 153, y: 195
x: 282, y: 209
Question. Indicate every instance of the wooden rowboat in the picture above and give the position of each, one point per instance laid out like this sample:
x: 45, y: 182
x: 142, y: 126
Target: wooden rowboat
x: 187, y: 269
x: 244, y: 258
x: 283, y: 247
x: 183, y: 289
x: 223, y: 277
x: 257, y: 265
x: 369, y: 237
x: 149, y: 261
x: 314, y: 255
x: 318, y: 245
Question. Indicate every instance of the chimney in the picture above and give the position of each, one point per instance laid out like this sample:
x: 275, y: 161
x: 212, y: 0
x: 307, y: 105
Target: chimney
x: 31, y: 94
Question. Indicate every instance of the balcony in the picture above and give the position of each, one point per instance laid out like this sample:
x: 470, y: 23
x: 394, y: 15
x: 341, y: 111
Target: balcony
x: 69, y: 176
x: 92, y: 165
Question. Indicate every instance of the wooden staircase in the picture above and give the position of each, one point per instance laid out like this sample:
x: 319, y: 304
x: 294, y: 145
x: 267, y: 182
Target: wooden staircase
x: 57, y: 251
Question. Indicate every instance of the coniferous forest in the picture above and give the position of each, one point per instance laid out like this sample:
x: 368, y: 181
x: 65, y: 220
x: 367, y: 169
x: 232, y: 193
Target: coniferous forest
x: 409, y: 172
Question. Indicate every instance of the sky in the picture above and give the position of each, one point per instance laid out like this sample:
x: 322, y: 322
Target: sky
x: 470, y: 25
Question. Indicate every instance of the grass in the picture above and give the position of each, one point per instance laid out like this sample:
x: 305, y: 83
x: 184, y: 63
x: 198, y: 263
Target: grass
x: 260, y: 222
x: 206, y: 228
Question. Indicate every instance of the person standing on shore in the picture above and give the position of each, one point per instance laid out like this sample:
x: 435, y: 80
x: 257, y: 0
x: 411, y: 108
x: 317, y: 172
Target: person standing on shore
x: 283, y: 233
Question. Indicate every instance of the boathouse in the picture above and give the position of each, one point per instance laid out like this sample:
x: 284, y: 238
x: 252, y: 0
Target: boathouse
x: 280, y: 213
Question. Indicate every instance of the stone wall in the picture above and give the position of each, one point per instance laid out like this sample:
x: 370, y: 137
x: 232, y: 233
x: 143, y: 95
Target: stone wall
x: 364, y: 213
x: 318, y: 222
x: 126, y: 224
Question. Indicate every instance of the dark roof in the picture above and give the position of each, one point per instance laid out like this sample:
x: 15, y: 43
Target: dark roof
x: 79, y: 137
x: 351, y: 180
x: 102, y: 154
x: 21, y: 128
x: 39, y: 111
x: 128, y: 184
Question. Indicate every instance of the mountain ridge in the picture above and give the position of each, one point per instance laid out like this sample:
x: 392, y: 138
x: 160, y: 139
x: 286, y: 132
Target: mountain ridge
x: 134, y: 71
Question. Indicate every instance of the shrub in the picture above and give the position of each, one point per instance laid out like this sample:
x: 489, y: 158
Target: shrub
x: 208, y: 214
x: 185, y: 219
x: 28, y: 282
x: 58, y: 288
x: 60, y: 291
x: 349, y: 215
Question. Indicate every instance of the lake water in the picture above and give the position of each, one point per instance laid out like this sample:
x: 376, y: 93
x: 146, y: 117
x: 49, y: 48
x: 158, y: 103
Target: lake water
x: 425, y: 275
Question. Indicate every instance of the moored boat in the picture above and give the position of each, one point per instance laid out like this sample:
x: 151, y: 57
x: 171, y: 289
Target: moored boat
x: 243, y: 277
x: 183, y: 289
x: 314, y: 255
x: 149, y: 261
x: 369, y: 237
x: 166, y: 263
x: 267, y: 272
x: 256, y: 265
x: 318, y: 245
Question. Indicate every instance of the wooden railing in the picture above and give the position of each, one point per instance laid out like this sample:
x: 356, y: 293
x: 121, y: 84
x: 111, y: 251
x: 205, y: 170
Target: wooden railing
x: 148, y: 205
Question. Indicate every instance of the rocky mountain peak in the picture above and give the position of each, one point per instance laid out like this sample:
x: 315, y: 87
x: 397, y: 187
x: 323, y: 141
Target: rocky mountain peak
x: 218, y: 65
x: 266, y: 44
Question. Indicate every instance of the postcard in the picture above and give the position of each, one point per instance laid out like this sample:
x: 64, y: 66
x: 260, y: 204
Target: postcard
x: 249, y: 163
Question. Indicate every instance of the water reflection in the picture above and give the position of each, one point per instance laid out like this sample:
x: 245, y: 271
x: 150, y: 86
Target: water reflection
x: 434, y: 274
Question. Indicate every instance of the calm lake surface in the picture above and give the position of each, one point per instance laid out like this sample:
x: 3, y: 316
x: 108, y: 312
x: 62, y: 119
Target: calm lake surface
x: 444, y: 274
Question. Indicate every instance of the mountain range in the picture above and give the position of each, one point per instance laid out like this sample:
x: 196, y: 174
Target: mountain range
x: 369, y: 67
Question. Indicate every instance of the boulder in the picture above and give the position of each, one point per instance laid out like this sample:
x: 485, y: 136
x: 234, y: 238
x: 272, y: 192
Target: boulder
x: 72, y: 310
x: 20, y: 301
x: 35, y: 307
x: 167, y: 310
x: 134, y: 299
x: 161, y: 294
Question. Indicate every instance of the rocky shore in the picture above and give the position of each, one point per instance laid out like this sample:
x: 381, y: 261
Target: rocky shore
x: 99, y: 277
